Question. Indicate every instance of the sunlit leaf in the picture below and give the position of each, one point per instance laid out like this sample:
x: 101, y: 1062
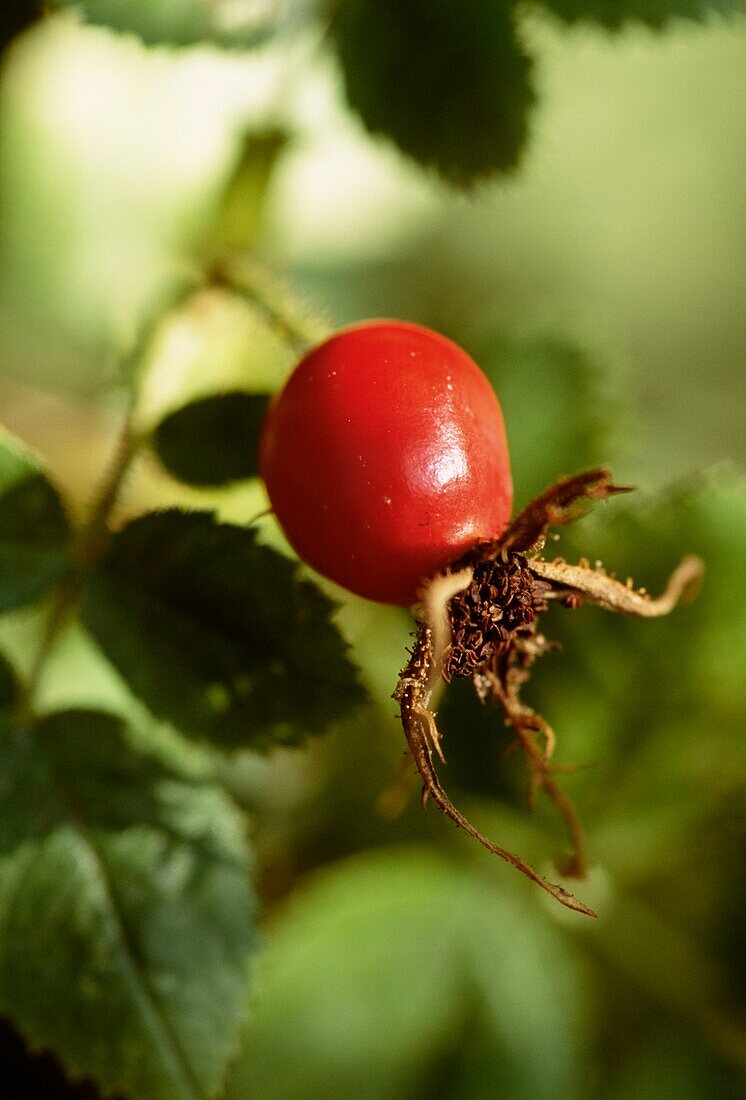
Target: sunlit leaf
x: 33, y: 527
x: 398, y: 975
x: 125, y: 909
x: 445, y: 79
x: 216, y: 633
x: 237, y: 23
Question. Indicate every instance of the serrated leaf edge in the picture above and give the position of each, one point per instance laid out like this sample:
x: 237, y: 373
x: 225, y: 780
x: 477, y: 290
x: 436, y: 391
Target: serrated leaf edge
x: 153, y: 1018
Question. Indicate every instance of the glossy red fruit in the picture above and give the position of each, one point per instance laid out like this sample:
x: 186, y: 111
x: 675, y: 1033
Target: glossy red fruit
x: 385, y: 458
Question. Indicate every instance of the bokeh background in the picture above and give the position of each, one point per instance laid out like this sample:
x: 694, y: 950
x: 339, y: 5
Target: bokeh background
x: 601, y: 286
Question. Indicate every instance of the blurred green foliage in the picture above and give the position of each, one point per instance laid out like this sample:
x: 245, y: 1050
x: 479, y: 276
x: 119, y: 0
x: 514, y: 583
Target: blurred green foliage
x: 657, y: 13
x: 601, y: 289
x: 390, y: 977
x: 191, y: 22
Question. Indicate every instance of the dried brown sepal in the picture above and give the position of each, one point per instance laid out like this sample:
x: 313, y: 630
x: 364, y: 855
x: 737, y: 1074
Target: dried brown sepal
x: 580, y: 582
x: 500, y: 683
x: 413, y: 695
x: 561, y: 503
x: 479, y: 619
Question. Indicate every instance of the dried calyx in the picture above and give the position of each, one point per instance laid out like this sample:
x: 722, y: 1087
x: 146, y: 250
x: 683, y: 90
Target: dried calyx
x: 502, y: 597
x: 480, y: 620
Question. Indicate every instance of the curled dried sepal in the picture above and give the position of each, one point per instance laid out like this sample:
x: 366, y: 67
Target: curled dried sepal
x: 561, y: 503
x: 580, y: 582
x: 435, y: 597
x: 479, y: 620
x: 413, y: 695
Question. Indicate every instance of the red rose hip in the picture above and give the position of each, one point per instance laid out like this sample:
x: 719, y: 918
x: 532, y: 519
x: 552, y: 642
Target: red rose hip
x: 385, y: 458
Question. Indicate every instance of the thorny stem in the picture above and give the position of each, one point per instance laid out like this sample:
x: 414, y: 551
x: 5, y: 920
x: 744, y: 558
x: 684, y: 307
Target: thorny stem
x: 246, y: 276
x: 413, y: 695
x: 88, y: 543
x: 64, y: 598
x: 524, y: 721
x: 95, y: 526
x: 243, y: 275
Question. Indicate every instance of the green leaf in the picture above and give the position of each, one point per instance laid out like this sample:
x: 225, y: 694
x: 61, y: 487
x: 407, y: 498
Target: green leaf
x: 397, y: 975
x: 125, y: 909
x: 205, y: 384
x: 445, y: 79
x: 656, y: 13
x: 237, y: 220
x: 233, y: 23
x: 213, y: 441
x: 8, y: 687
x: 216, y: 634
x: 33, y: 527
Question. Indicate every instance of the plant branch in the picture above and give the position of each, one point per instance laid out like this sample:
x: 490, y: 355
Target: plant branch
x: 90, y: 540
x: 127, y: 446
x: 247, y: 277
x: 413, y: 695
x: 526, y: 722
x: 65, y: 597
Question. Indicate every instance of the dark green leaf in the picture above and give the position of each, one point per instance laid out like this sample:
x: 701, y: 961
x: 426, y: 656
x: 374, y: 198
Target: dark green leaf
x: 8, y: 687
x: 656, y: 13
x: 398, y: 975
x: 445, y: 79
x: 33, y: 527
x: 217, y: 634
x: 235, y: 23
x: 213, y: 441
x: 203, y: 386
x: 125, y: 909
